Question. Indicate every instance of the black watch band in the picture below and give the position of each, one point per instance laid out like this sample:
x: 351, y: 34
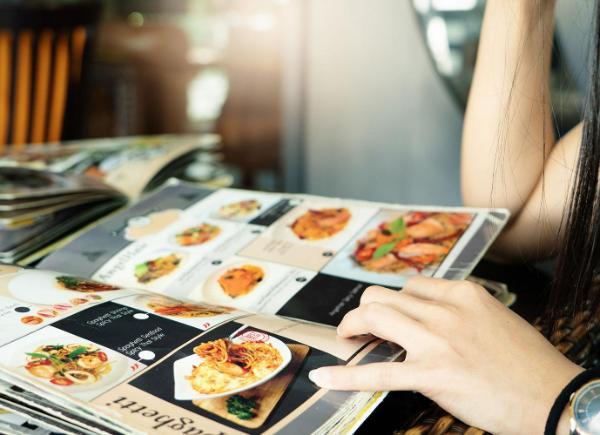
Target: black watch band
x: 565, y: 395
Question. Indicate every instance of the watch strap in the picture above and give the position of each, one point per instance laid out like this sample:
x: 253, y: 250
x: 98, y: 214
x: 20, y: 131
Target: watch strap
x: 565, y: 395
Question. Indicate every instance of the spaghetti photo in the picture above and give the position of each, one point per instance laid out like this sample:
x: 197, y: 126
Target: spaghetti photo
x: 228, y: 366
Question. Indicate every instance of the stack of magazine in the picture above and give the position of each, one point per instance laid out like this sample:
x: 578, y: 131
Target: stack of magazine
x: 47, y: 191
x: 202, y: 311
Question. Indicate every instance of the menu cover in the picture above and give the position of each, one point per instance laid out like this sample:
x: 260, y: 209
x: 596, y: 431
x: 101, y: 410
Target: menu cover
x: 237, y: 294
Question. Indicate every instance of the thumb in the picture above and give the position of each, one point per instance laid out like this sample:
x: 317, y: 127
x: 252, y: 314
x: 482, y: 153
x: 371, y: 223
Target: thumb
x: 383, y: 376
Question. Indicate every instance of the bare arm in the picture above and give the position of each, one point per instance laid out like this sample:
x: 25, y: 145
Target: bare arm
x: 508, y: 139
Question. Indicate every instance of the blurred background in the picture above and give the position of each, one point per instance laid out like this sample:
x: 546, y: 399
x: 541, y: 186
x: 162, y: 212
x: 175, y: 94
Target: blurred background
x: 336, y: 97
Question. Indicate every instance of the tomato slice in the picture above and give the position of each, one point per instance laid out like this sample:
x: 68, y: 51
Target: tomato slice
x: 364, y: 254
x: 102, y: 356
x: 63, y: 382
x: 39, y: 362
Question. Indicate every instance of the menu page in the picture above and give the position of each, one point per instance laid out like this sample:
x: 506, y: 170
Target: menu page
x: 295, y: 255
x: 129, y: 164
x: 166, y: 366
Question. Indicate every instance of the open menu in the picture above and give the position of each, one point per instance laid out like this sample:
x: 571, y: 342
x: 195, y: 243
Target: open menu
x: 47, y: 191
x: 237, y: 292
x: 129, y: 165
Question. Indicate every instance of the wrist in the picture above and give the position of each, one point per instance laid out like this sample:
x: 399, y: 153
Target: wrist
x: 564, y: 422
x: 570, y: 410
x: 536, y: 409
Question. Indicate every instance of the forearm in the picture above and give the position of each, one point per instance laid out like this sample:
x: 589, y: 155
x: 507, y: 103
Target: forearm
x: 533, y: 232
x: 508, y: 130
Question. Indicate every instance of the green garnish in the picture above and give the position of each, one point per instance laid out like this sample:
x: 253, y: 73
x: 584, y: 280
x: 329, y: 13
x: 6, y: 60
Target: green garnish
x: 68, y: 281
x: 38, y: 355
x: 76, y: 352
x: 398, y: 227
x: 384, y: 249
x: 242, y: 407
x: 44, y: 356
x: 141, y: 269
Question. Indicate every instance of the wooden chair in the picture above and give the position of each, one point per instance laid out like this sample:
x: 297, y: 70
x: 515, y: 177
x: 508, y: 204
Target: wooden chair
x: 43, y: 49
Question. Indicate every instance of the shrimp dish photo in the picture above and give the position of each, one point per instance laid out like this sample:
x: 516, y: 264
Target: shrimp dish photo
x: 414, y: 241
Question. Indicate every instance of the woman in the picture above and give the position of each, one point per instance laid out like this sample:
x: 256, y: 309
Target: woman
x: 466, y: 351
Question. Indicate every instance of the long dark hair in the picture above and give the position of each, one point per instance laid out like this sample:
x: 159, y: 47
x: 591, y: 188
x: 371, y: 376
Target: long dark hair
x: 574, y: 287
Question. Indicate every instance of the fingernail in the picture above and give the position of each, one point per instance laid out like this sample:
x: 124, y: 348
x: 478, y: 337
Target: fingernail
x: 316, y: 376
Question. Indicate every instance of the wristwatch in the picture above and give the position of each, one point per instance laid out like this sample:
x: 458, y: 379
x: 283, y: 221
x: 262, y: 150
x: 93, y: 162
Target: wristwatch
x: 585, y: 409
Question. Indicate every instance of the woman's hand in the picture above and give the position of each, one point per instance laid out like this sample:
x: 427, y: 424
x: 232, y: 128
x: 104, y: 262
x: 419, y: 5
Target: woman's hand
x: 465, y: 350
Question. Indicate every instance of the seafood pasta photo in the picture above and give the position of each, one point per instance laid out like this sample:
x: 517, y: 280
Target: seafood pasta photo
x: 229, y: 365
x: 68, y: 364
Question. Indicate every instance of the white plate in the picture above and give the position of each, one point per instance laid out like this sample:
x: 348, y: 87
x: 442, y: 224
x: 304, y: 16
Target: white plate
x: 41, y: 288
x: 117, y: 362
x: 184, y: 366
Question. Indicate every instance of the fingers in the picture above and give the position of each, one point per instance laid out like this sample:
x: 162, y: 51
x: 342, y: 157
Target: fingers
x: 413, y: 306
x: 369, y: 377
x: 426, y: 288
x: 384, y: 322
